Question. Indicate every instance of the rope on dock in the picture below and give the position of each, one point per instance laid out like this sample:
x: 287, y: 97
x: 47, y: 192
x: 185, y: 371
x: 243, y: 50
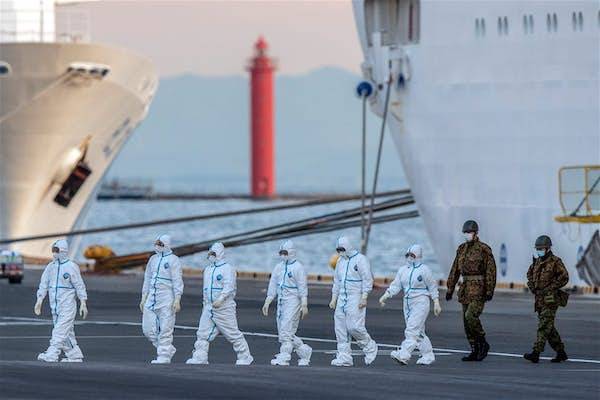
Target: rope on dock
x: 200, y: 217
x: 324, y: 223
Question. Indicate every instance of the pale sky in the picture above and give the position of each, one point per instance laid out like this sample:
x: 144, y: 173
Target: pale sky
x: 216, y: 37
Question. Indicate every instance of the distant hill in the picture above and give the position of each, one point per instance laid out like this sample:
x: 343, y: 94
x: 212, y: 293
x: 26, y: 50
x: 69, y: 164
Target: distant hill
x: 197, y: 133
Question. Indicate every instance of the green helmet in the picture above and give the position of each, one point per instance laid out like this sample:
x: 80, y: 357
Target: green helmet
x: 470, y: 226
x: 543, y: 242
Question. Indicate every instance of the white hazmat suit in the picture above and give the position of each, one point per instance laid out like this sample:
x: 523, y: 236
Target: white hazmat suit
x: 352, y: 283
x: 161, y: 294
x: 219, y: 310
x: 416, y: 281
x: 289, y: 284
x: 62, y: 280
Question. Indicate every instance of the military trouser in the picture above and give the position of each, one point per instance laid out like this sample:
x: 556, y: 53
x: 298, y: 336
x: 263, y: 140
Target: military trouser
x: 473, y: 327
x: 547, y: 331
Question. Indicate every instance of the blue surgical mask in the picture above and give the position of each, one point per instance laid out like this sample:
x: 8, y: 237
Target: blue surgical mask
x: 540, y: 253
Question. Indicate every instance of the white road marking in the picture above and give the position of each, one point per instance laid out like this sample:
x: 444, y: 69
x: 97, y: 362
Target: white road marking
x: 93, y: 337
x: 36, y: 321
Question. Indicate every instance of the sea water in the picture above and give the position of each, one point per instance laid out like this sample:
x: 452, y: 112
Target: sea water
x: 387, y: 245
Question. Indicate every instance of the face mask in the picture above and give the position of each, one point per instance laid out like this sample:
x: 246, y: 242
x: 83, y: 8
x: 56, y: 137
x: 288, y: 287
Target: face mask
x: 158, y: 249
x: 540, y: 253
x: 411, y: 260
x: 55, y: 256
x: 469, y: 236
x: 212, y: 258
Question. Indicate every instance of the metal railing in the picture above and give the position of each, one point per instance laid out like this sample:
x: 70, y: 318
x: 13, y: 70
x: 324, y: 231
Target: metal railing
x: 579, y: 194
x: 60, y: 25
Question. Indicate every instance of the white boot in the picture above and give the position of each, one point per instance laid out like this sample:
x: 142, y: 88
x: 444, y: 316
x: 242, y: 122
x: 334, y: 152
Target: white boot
x: 304, y: 352
x: 426, y: 359
x: 245, y: 360
x: 370, y: 352
x: 281, y: 359
x: 196, y: 361
x: 343, y: 357
x: 47, y: 358
x: 71, y: 360
x: 161, y: 360
x: 396, y: 355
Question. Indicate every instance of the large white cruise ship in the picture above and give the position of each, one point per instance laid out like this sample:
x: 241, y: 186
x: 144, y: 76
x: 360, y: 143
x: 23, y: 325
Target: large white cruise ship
x: 490, y: 103
x: 66, y: 109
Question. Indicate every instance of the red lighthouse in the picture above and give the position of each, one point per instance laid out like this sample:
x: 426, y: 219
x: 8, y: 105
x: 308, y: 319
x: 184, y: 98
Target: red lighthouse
x: 261, y: 125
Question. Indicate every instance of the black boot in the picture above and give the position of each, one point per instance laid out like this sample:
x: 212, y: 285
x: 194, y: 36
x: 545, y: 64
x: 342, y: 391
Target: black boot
x: 474, y: 352
x: 534, y: 357
x: 560, y: 356
x: 484, y: 347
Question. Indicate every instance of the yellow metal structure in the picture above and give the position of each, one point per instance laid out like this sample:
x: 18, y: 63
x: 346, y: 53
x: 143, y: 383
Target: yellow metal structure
x: 579, y: 193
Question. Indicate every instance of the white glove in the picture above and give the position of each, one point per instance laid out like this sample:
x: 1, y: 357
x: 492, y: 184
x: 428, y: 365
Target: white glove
x: 437, y: 309
x: 333, y: 302
x: 383, y: 298
x: 177, y: 304
x: 218, y: 302
x: 83, y: 312
x: 304, y: 311
x: 363, y: 301
x: 265, y: 307
x: 37, y: 309
x: 143, y: 301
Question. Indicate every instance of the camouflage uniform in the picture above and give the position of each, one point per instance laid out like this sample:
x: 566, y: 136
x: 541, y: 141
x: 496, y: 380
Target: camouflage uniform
x: 475, y: 262
x: 545, y: 277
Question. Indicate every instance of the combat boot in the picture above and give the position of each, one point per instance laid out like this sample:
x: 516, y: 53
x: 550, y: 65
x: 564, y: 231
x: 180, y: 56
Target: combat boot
x: 484, y: 347
x: 560, y: 356
x: 534, y: 357
x: 474, y: 352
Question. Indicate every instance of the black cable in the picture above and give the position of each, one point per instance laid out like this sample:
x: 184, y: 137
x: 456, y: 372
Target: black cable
x: 286, y: 227
x: 195, y: 218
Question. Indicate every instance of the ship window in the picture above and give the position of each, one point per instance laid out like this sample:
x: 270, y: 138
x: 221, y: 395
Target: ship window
x: 531, y: 23
x: 505, y: 25
x: 554, y: 23
x: 548, y: 22
x: 479, y: 27
x: 4, y: 68
x: 528, y: 24
x: 394, y: 22
x: 580, y: 20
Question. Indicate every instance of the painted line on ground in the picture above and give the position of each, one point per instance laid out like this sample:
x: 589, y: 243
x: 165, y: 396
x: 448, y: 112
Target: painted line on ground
x: 308, y: 339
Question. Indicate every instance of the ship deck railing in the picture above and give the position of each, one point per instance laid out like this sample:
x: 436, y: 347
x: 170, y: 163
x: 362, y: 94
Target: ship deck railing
x: 579, y: 194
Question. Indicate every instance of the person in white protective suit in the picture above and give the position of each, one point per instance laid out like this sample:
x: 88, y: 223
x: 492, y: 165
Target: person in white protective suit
x: 289, y: 284
x: 161, y: 299
x: 352, y: 283
x: 62, y: 280
x: 219, y: 310
x: 416, y: 281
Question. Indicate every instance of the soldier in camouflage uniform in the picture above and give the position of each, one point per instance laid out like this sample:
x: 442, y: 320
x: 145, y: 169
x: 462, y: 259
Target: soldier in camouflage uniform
x: 546, y: 275
x: 475, y: 263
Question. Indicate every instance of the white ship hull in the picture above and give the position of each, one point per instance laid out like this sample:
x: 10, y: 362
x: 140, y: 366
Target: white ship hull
x: 47, y: 115
x: 483, y: 123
